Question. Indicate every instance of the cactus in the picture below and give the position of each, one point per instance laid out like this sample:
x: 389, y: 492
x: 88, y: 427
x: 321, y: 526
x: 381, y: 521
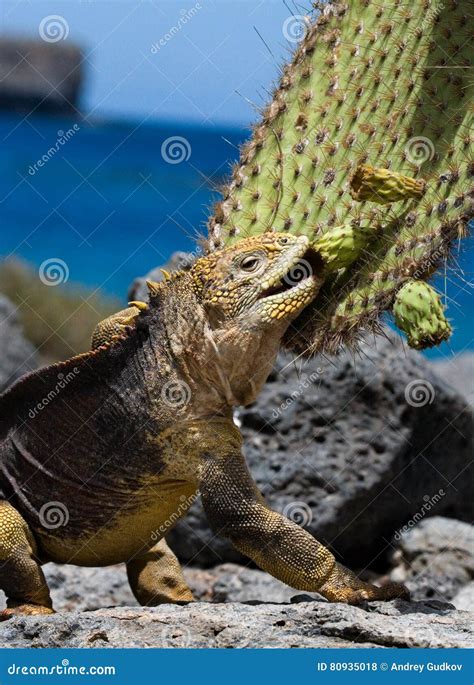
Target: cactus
x: 365, y: 148
x: 419, y: 313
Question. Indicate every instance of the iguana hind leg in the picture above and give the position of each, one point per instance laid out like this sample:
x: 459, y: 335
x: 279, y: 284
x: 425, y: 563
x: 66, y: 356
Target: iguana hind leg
x: 21, y: 577
x: 156, y: 577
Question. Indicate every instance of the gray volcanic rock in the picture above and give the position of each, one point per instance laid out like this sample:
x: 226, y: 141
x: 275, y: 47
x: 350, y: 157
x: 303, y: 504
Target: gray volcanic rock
x: 17, y: 355
x: 306, y: 624
x: 435, y: 559
x: 75, y: 588
x: 351, y: 449
x: 40, y: 75
x: 458, y: 371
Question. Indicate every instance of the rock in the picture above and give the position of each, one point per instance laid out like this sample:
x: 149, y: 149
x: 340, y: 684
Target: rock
x: 464, y: 600
x: 458, y: 371
x: 75, y: 588
x: 435, y: 559
x: 40, y: 75
x: 17, y: 355
x: 305, y: 624
x: 351, y: 449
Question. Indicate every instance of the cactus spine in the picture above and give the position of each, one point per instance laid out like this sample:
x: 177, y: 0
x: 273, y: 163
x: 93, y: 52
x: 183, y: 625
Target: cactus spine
x: 369, y: 126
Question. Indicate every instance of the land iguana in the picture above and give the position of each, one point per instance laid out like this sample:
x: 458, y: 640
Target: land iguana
x: 136, y: 427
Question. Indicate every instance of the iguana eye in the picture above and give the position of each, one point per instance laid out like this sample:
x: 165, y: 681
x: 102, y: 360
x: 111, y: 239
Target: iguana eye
x: 283, y: 240
x: 250, y: 263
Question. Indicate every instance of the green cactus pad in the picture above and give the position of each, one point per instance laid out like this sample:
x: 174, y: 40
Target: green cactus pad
x: 419, y: 313
x: 370, y: 125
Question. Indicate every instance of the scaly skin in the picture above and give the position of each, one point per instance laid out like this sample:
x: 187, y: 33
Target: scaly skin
x: 99, y: 473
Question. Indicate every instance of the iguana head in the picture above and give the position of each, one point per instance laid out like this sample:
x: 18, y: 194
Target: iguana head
x: 264, y: 280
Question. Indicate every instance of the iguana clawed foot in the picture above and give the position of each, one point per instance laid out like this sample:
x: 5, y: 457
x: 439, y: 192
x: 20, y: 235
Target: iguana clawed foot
x: 25, y: 610
x: 116, y: 324
x: 345, y: 586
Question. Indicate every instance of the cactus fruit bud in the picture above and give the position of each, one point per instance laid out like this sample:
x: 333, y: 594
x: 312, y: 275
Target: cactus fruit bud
x: 342, y: 245
x: 419, y: 313
x: 383, y: 186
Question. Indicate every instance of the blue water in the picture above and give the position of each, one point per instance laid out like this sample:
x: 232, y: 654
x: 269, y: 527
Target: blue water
x: 110, y: 206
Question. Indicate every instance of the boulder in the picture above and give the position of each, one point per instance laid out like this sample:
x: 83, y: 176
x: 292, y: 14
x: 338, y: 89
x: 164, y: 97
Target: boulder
x: 435, y: 559
x: 17, y: 355
x: 304, y: 624
x: 41, y: 75
x: 458, y: 371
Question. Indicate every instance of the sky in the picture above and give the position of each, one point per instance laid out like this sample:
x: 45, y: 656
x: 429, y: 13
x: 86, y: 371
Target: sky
x: 185, y: 60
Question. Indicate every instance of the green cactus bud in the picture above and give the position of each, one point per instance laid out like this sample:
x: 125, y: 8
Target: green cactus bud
x: 419, y: 313
x: 383, y: 186
x: 342, y: 245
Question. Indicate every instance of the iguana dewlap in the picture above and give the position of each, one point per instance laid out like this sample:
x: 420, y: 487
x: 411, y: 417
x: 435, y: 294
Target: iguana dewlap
x: 100, y: 455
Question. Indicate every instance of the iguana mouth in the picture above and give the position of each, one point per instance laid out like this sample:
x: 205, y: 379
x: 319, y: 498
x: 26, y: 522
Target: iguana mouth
x: 301, y: 274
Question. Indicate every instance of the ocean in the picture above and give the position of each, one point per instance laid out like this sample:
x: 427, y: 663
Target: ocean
x: 113, y: 200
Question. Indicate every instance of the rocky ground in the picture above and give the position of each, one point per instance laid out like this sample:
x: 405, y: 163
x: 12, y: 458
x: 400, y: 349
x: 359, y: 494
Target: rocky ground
x: 372, y: 455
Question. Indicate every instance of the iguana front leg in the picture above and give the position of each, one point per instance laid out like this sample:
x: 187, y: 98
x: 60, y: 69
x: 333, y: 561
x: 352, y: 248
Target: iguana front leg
x: 236, y: 509
x: 115, y: 324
